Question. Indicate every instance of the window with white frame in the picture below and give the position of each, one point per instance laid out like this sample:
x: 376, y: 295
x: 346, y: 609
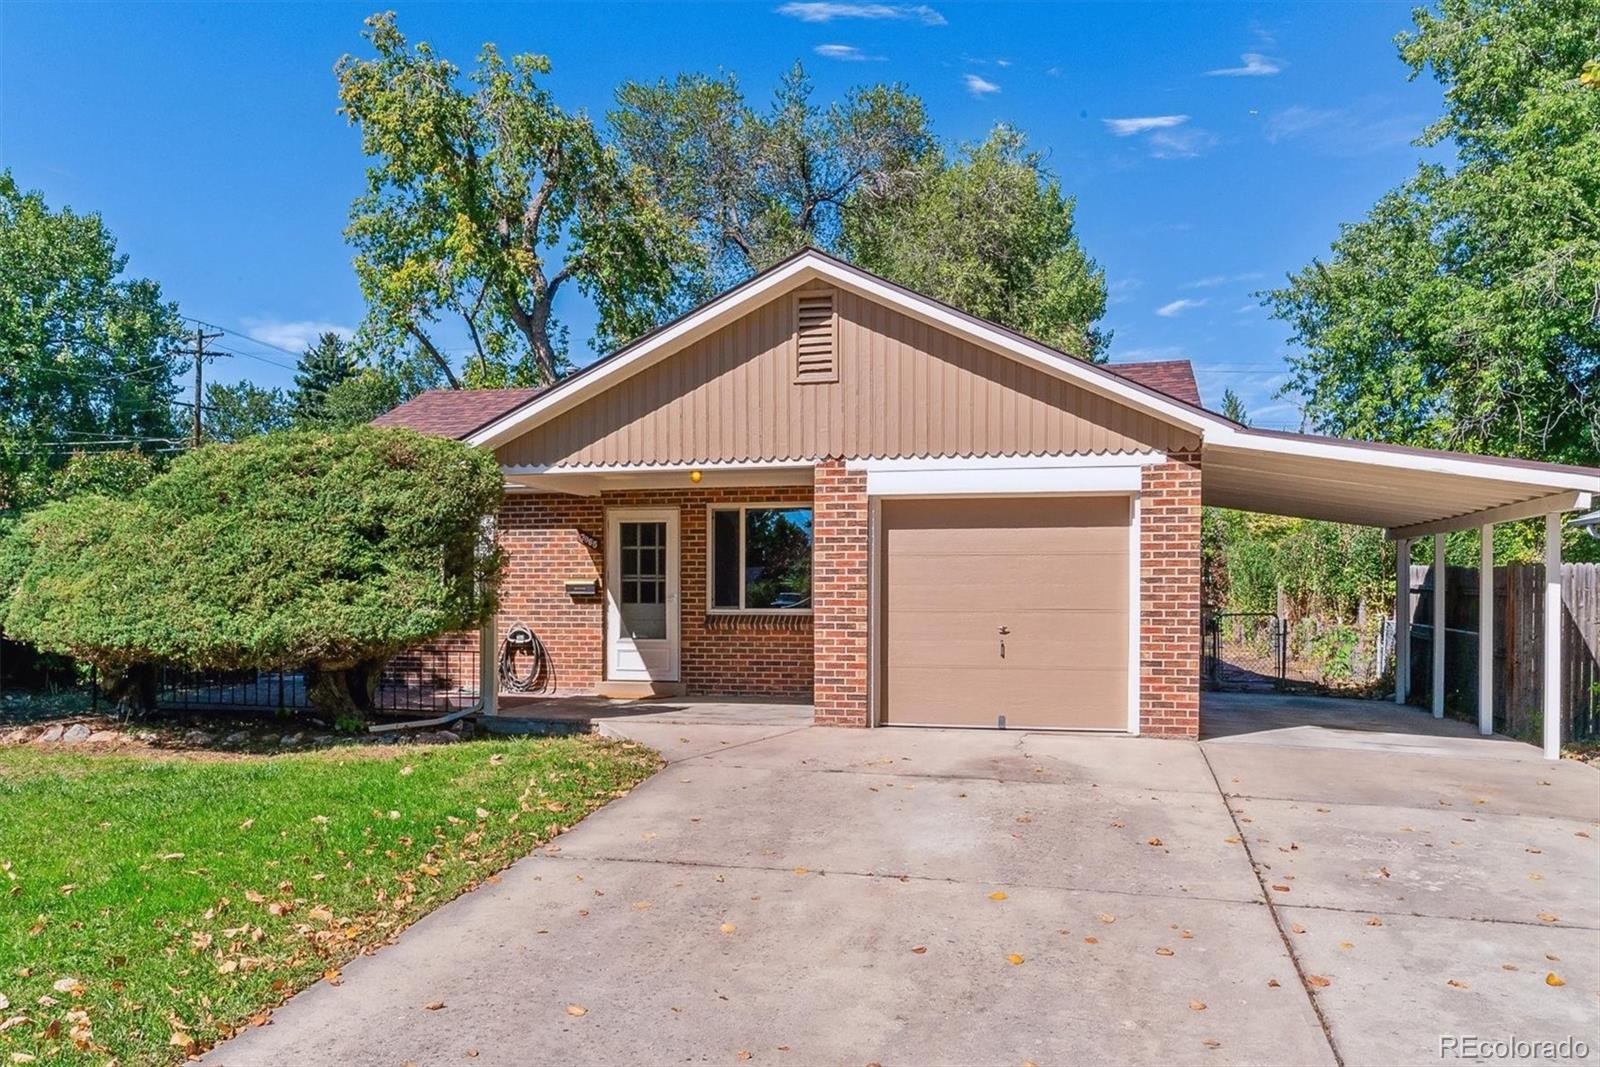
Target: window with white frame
x: 760, y: 558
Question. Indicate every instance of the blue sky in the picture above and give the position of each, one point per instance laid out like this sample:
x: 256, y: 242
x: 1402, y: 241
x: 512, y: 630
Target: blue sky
x: 1212, y: 148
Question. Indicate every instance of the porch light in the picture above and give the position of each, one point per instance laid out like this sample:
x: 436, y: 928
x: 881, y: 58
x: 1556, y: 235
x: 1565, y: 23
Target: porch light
x: 695, y: 476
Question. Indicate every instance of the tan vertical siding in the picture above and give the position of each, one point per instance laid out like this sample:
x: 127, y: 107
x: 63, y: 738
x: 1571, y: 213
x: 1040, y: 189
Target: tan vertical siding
x: 903, y: 389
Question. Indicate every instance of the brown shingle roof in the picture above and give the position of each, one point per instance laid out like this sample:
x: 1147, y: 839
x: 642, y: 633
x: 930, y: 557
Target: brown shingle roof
x: 455, y: 412
x: 1175, y: 377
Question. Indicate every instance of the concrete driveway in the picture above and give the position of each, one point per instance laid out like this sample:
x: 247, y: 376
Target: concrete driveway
x: 1303, y: 887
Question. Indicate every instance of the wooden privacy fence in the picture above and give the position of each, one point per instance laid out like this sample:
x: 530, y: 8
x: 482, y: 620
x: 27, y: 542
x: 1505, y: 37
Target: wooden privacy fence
x: 1518, y: 645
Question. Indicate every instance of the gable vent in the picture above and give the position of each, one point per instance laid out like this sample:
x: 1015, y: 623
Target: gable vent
x: 816, y: 356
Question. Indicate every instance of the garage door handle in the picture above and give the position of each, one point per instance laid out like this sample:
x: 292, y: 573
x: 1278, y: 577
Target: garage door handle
x: 1003, y: 631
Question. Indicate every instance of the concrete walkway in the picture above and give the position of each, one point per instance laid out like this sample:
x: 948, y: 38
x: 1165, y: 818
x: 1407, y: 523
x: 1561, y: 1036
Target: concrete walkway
x: 786, y: 894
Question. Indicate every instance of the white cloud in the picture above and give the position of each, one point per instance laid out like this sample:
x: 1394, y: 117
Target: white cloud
x: 1178, y: 307
x: 1181, y: 144
x: 1213, y: 280
x: 979, y: 86
x: 1293, y: 121
x: 1252, y: 65
x: 293, y: 335
x: 1144, y: 124
x: 1121, y: 289
x: 825, y: 11
x: 849, y: 53
x: 1370, y: 126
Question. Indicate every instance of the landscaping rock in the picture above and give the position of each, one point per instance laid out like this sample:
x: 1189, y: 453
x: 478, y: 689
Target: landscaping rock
x: 197, y: 737
x: 19, y: 736
x: 104, y: 736
x: 76, y: 733
x: 290, y: 740
x: 50, y: 733
x: 237, y: 738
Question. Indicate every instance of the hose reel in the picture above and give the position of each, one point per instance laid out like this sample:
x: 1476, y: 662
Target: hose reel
x: 521, y: 643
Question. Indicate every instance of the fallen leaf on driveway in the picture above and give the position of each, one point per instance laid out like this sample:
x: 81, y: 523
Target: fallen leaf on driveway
x: 920, y: 949
x: 1197, y: 1005
x: 744, y: 1054
x: 1374, y: 921
x: 1154, y: 842
x: 1554, y: 979
x: 433, y: 1005
x: 1107, y: 917
x: 576, y: 1010
x: 1211, y: 1042
x: 1273, y: 983
x: 1280, y: 889
x: 1014, y: 959
x: 1297, y: 928
x: 728, y: 928
x: 1091, y: 941
x: 1163, y: 951
x: 331, y: 975
x: 1546, y: 917
x: 1319, y: 981
x: 1453, y: 984
x: 801, y: 871
x: 997, y: 895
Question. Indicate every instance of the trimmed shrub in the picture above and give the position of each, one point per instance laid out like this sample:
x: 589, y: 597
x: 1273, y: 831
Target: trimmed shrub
x: 328, y: 552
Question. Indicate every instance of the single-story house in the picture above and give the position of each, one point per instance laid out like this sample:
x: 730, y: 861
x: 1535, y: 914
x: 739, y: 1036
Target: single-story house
x: 824, y: 487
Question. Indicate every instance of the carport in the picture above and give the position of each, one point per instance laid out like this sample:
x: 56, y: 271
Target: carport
x: 1412, y: 494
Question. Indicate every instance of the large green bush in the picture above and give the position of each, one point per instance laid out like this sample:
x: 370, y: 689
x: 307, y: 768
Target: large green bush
x: 329, y: 552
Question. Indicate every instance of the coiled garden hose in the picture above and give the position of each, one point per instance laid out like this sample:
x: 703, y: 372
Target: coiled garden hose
x: 520, y: 641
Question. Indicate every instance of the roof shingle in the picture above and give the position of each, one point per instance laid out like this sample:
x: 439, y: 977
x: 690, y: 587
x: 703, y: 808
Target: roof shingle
x: 1174, y: 377
x: 455, y: 412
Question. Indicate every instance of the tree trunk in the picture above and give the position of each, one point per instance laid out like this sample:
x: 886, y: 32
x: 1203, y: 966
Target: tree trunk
x: 132, y: 687
x: 345, y: 694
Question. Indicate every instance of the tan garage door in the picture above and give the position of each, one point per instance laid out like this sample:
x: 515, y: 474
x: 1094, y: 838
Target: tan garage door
x: 1014, y: 607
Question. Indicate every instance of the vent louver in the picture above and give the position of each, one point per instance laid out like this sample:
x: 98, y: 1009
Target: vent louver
x: 816, y: 339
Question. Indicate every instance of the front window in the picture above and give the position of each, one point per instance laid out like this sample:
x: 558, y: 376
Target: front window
x: 760, y: 559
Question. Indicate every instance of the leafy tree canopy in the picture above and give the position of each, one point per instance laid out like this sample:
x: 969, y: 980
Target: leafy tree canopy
x: 293, y: 549
x: 86, y: 353
x: 230, y: 413
x: 990, y: 232
x: 753, y: 186
x: 485, y: 200
x: 1464, y: 310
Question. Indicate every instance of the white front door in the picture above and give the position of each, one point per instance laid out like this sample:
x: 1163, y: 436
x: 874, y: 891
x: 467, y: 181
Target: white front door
x: 642, y: 594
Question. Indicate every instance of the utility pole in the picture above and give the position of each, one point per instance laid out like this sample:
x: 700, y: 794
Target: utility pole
x: 200, y: 338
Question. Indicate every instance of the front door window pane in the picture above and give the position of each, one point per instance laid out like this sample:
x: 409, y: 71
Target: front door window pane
x: 644, y: 580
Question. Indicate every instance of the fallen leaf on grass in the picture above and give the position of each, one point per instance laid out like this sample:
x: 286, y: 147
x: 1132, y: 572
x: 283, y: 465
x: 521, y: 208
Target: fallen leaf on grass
x: 331, y: 976
x: 575, y: 1010
x: 21, y: 1057
x: 68, y: 985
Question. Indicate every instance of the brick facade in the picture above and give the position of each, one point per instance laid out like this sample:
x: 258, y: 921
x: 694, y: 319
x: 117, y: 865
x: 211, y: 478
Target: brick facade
x: 839, y: 582
x: 1169, y: 580
x: 721, y: 654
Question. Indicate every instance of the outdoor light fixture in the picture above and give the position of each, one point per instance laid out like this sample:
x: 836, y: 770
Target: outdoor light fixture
x: 1589, y: 523
x: 695, y: 476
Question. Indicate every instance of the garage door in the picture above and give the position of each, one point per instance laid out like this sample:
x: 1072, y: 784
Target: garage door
x: 1012, y: 609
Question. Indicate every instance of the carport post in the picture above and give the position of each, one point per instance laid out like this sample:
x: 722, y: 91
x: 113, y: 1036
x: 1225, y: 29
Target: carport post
x: 488, y: 669
x: 1402, y: 619
x: 1486, y: 629
x: 1552, y: 635
x: 1439, y: 584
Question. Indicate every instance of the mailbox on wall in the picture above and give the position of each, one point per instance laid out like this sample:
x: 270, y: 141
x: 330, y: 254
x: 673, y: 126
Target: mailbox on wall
x: 588, y: 588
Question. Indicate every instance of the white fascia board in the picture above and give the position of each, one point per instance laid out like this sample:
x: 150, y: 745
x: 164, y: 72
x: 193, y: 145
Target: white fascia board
x: 1040, y: 481
x: 1074, y: 461
x: 1489, y: 468
x: 808, y: 267
x: 655, y: 468
x: 1553, y: 504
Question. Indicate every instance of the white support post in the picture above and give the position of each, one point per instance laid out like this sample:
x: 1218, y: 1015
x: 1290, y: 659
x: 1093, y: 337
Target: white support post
x: 1486, y: 629
x: 1439, y: 584
x: 1552, y: 636
x: 1402, y: 619
x: 488, y: 669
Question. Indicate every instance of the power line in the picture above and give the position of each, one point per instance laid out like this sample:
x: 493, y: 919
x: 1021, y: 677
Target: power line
x: 200, y: 338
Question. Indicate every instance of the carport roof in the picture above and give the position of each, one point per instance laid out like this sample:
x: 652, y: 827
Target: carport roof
x: 1408, y: 491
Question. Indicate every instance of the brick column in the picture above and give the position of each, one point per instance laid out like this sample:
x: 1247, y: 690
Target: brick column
x: 839, y: 582
x: 1169, y: 581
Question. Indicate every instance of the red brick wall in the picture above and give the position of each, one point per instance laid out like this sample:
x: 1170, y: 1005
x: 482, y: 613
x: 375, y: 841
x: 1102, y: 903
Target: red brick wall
x: 731, y: 655
x: 839, y: 592
x: 1169, y: 579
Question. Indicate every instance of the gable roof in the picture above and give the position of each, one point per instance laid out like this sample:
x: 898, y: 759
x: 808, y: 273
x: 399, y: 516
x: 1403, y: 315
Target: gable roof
x: 1175, y: 377
x: 808, y: 265
x: 455, y: 412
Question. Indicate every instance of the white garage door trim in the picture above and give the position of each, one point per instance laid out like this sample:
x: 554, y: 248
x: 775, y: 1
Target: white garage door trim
x: 944, y: 485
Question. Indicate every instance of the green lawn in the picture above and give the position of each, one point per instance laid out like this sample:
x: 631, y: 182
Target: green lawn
x: 150, y: 906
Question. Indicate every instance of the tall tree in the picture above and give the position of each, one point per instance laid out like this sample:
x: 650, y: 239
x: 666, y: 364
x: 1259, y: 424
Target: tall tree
x: 87, y: 354
x: 1464, y: 310
x: 321, y: 367
x: 754, y: 186
x: 484, y: 201
x: 1233, y: 408
x: 990, y: 232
